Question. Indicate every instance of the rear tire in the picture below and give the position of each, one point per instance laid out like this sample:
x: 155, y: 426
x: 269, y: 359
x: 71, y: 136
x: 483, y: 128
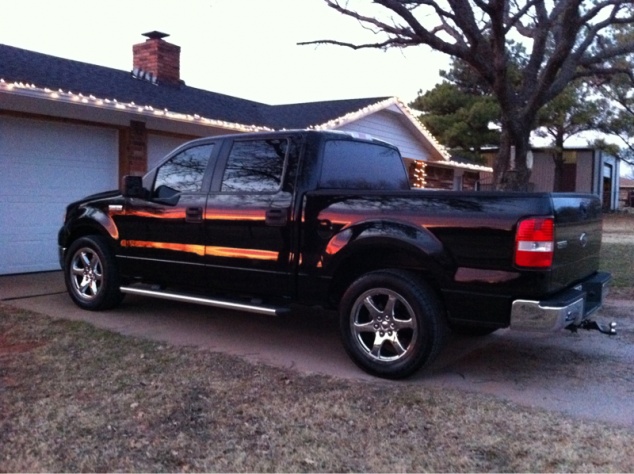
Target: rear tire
x: 91, y: 274
x: 391, y: 323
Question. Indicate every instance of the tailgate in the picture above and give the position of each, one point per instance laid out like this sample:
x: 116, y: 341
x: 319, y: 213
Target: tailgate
x: 578, y: 225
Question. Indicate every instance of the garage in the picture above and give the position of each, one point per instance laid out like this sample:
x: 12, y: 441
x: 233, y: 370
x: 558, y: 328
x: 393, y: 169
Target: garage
x: 43, y: 167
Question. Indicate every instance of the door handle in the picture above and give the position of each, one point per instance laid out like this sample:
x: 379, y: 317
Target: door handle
x: 276, y: 217
x: 194, y: 215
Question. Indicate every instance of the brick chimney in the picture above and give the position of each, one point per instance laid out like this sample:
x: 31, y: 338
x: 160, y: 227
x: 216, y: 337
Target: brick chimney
x: 158, y: 58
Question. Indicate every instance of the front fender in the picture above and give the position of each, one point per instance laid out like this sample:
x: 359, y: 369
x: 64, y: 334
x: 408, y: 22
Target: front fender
x: 85, y: 220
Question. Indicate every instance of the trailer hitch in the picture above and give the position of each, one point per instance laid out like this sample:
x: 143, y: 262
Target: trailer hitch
x: 590, y: 325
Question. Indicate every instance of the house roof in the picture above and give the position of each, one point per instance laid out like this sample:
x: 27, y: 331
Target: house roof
x: 23, y: 66
x: 45, y: 71
x: 45, y: 76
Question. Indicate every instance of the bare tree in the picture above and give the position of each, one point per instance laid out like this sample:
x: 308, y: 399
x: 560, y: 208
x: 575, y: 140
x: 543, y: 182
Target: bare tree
x: 565, y: 40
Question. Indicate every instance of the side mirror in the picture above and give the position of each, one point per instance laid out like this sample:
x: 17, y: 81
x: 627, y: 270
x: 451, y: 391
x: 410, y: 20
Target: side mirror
x: 133, y: 187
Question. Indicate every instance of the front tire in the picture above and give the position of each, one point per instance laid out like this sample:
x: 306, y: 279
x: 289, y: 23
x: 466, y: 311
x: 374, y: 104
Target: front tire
x: 391, y: 323
x: 91, y: 274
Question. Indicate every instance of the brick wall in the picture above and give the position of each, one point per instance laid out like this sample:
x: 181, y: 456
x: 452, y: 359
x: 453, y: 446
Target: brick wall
x: 133, y: 158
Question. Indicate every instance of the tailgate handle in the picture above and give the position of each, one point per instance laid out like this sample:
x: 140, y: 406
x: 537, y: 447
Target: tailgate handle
x: 194, y: 215
x: 276, y: 217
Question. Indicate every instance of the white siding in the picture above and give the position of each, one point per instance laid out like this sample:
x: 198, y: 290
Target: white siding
x: 43, y: 167
x: 388, y: 126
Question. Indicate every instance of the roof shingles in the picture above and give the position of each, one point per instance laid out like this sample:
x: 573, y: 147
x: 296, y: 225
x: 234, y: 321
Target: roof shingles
x: 45, y: 71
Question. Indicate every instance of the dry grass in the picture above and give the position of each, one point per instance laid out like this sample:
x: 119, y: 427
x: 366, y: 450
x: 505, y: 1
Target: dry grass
x: 75, y: 398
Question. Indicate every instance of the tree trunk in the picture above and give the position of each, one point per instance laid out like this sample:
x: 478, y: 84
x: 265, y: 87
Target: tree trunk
x: 558, y: 158
x: 510, y: 172
x: 559, y: 170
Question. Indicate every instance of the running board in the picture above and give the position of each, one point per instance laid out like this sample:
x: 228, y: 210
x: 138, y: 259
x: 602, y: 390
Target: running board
x: 216, y: 303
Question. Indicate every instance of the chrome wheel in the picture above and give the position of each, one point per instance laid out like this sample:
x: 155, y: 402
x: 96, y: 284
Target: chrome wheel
x: 91, y: 273
x: 391, y: 323
x: 383, y: 324
x: 86, y: 274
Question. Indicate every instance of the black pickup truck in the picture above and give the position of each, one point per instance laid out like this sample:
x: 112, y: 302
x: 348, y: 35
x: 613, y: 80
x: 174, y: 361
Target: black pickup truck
x: 260, y: 222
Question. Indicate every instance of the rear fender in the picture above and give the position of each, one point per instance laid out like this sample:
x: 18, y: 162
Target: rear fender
x: 373, y: 245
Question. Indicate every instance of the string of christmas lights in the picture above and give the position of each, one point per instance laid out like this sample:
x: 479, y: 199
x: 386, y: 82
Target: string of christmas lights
x: 417, y: 174
x: 91, y: 100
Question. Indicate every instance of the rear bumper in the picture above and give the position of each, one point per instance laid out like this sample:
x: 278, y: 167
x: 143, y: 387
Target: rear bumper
x: 569, y: 307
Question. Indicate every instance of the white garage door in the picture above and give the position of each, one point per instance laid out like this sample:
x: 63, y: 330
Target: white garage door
x: 43, y: 167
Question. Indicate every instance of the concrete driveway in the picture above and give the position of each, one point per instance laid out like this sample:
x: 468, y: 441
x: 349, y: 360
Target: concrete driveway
x: 587, y: 375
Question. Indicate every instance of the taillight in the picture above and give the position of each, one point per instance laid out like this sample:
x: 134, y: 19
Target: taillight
x: 535, y: 242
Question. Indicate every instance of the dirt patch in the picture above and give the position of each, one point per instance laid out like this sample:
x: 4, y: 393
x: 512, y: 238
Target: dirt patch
x: 9, y: 346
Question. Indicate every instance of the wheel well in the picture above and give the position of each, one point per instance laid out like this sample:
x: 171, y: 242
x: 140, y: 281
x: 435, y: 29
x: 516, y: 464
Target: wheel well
x: 84, y: 230
x: 381, y: 258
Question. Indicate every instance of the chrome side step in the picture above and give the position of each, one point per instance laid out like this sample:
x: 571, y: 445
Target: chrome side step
x: 216, y: 303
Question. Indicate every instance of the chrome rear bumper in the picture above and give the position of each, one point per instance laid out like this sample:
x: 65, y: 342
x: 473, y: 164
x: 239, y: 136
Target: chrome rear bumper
x: 570, y: 308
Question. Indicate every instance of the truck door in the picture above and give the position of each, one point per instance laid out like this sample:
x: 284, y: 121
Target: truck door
x: 248, y: 220
x: 162, y: 236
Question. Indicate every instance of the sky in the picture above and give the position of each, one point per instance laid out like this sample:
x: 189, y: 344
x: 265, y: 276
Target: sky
x: 243, y: 48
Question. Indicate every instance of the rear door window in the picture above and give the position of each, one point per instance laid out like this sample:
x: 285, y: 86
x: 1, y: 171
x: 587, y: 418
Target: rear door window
x: 255, y: 166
